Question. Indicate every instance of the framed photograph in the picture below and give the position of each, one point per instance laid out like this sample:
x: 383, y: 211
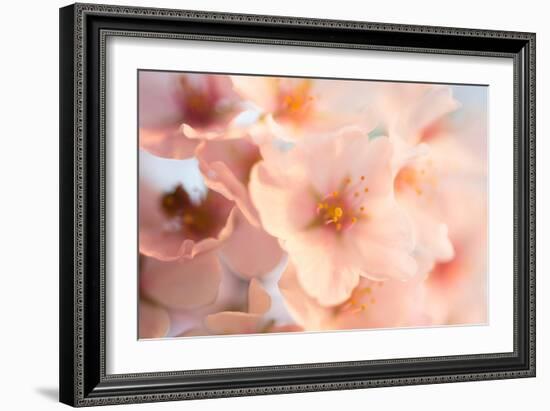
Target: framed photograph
x: 260, y: 205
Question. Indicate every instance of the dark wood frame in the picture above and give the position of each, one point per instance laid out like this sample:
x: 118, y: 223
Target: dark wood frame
x: 83, y: 30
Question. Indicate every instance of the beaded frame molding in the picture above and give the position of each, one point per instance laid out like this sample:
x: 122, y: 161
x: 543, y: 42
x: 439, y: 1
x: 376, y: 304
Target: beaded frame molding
x: 84, y: 29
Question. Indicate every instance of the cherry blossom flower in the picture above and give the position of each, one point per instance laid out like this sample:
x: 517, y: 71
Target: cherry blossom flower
x: 412, y: 114
x: 372, y: 304
x: 173, y: 226
x: 295, y: 107
x: 330, y: 202
x: 177, y: 110
x: 410, y: 111
x: 457, y: 288
x: 416, y: 188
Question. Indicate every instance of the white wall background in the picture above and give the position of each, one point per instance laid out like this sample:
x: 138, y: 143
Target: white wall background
x: 29, y: 204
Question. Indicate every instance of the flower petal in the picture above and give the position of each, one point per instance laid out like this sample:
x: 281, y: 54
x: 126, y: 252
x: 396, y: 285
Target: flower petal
x: 322, y: 266
x: 384, y: 243
x: 260, y: 90
x: 250, y: 251
x: 168, y: 142
x: 276, y: 197
x: 159, y: 104
x: 259, y: 301
x: 218, y: 177
x: 182, y: 284
x: 305, y: 310
x: 234, y: 322
x: 154, y: 321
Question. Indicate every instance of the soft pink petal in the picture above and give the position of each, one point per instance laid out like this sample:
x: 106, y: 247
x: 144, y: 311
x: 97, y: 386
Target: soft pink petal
x: 250, y: 251
x: 234, y: 322
x: 260, y: 90
x: 182, y: 284
x: 432, y: 237
x: 434, y: 104
x: 222, y: 131
x: 167, y: 142
x: 153, y: 321
x: 408, y: 109
x: 383, y: 244
x: 324, y: 270
x: 305, y: 310
x: 259, y: 301
x: 238, y: 155
x: 159, y: 105
x: 276, y: 198
x: 218, y: 177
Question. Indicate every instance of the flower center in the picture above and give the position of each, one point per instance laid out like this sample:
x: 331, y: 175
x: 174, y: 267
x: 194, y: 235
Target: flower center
x: 195, y: 220
x: 199, y: 103
x: 297, y: 103
x: 416, y: 178
x: 342, y: 208
x: 361, y: 299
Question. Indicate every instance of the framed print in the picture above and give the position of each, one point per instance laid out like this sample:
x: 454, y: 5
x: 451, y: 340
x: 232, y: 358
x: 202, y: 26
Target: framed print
x: 260, y: 204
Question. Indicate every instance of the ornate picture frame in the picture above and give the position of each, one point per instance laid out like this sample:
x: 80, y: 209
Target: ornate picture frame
x: 84, y: 31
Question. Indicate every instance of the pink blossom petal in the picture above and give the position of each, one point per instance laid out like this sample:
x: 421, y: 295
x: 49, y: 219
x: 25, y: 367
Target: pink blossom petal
x: 305, y: 310
x: 384, y: 244
x: 434, y: 104
x: 182, y: 284
x: 238, y: 155
x: 433, y: 243
x: 168, y: 142
x: 154, y: 321
x: 260, y: 90
x: 159, y: 105
x: 409, y: 109
x: 324, y: 270
x: 276, y: 200
x: 219, y: 177
x: 259, y: 301
x: 250, y: 251
x: 234, y: 322
x: 228, y: 131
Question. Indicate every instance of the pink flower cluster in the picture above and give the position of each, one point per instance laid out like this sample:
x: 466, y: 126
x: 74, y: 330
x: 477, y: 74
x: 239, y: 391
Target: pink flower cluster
x: 316, y: 205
